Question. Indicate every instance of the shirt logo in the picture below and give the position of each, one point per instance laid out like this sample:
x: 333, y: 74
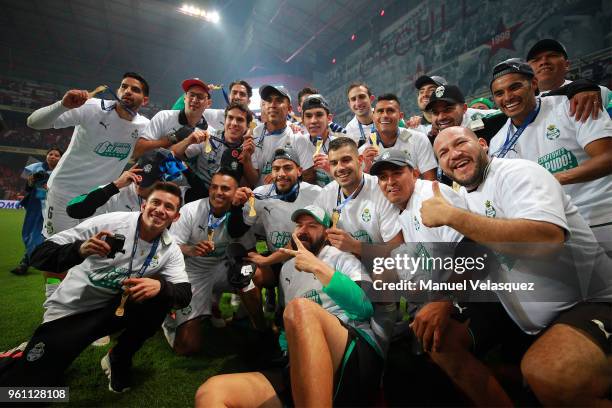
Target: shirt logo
x: 552, y: 132
x: 365, y: 215
x: 489, y: 209
x: 280, y: 238
x: 104, y: 124
x: 186, y: 310
x: 559, y: 160
x: 134, y: 134
x: 109, y: 277
x: 118, y: 150
x: 417, y: 224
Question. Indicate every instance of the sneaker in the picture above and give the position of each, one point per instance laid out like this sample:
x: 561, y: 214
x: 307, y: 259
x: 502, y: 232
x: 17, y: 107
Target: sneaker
x: 119, y: 374
x: 15, y: 350
x: 20, y: 270
x: 102, y: 341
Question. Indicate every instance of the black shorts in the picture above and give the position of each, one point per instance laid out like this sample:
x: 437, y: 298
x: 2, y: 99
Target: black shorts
x: 490, y: 327
x: 357, y: 381
x: 594, y: 319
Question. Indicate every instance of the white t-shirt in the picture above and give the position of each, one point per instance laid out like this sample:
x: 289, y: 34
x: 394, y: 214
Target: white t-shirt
x: 215, y: 118
x: 414, y: 144
x: 274, y: 215
x: 296, y: 284
x: 206, y: 164
x: 520, y: 189
x: 353, y: 130
x: 163, y: 123
x: 266, y: 143
x: 192, y: 227
x: 369, y: 217
x: 100, y: 147
x: 556, y: 141
x: 95, y: 281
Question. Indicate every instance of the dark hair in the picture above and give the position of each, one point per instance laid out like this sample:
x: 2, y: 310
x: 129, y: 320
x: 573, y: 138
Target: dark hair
x: 340, y: 142
x: 244, y: 83
x: 306, y: 91
x: 224, y: 171
x: 145, y: 84
x: 168, y: 187
x: 388, y: 97
x: 241, y: 106
x: 358, y: 84
x: 57, y: 149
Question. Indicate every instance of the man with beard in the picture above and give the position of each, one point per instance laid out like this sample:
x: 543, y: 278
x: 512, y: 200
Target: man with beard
x: 275, y: 133
x: 333, y: 354
x: 517, y: 201
x: 107, y: 289
x: 203, y: 235
x: 549, y: 61
x: 204, y: 154
x: 360, y: 212
x: 579, y: 155
x: 360, y: 100
x: 316, y: 117
x: 34, y: 202
x: 101, y: 145
x: 274, y: 204
x: 389, y: 136
x: 169, y: 127
x: 425, y: 86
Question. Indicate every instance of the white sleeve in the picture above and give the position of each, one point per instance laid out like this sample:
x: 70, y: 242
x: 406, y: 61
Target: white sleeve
x: 350, y: 266
x: 215, y: 117
x: 181, y: 230
x: 592, y: 129
x: 193, y: 150
x: 154, y: 130
x: 45, y: 118
x: 174, y: 268
x: 83, y: 231
x: 425, y: 159
x: 388, y: 216
x: 531, y: 192
x: 301, y: 145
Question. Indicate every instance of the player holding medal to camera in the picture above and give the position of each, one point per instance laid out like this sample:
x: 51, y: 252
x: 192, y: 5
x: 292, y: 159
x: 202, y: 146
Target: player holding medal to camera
x: 33, y: 202
x: 86, y: 306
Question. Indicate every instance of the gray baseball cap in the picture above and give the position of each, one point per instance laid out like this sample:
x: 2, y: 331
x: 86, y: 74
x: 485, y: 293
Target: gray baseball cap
x: 286, y: 152
x: 267, y: 90
x: 394, y: 157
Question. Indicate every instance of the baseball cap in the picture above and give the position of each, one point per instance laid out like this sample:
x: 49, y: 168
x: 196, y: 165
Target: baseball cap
x: 188, y: 83
x: 485, y: 101
x: 511, y: 66
x: 547, y: 44
x: 425, y: 79
x: 315, y: 101
x: 286, y: 152
x: 447, y: 93
x: 319, y: 214
x: 395, y: 157
x: 150, y: 163
x: 267, y: 90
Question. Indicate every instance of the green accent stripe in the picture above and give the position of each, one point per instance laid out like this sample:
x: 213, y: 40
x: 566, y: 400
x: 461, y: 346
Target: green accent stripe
x: 345, y: 359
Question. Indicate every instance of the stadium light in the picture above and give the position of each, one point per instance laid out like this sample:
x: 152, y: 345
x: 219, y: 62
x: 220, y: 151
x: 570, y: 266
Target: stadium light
x: 193, y: 11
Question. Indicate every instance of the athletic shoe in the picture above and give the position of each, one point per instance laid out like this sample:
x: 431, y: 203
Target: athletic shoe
x: 20, y: 270
x: 118, y: 373
x: 102, y: 341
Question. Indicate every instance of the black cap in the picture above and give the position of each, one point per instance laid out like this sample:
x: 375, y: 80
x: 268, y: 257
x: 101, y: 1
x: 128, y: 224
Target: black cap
x: 315, y: 101
x: 267, y: 90
x: 230, y: 163
x: 511, y: 66
x: 286, y: 152
x: 150, y: 163
x: 425, y: 79
x: 393, y: 156
x: 446, y: 93
x: 547, y: 44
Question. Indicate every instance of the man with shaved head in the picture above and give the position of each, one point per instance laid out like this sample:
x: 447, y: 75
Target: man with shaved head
x: 517, y: 201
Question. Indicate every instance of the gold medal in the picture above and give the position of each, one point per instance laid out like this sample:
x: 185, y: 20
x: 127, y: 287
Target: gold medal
x: 211, y: 234
x: 96, y: 91
x: 335, y: 218
x: 374, y: 140
x: 252, y: 212
x: 121, y: 308
x: 207, y: 146
x: 319, y: 145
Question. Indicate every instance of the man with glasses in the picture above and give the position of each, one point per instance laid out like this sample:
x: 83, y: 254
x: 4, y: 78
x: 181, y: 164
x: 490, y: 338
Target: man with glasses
x: 169, y: 127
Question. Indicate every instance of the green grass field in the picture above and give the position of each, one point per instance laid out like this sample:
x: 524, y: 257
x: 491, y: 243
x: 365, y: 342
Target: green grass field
x: 160, y: 377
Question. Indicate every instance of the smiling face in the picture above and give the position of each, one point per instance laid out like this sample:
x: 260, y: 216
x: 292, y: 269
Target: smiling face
x: 359, y: 101
x: 514, y: 94
x: 445, y: 115
x: 310, y: 233
x: 397, y: 183
x: 387, y: 115
x: 235, y: 125
x: 316, y: 121
x: 424, y: 95
x: 221, y: 192
x: 461, y: 155
x: 277, y: 108
x: 550, y: 68
x: 160, y: 210
x: 196, y: 100
x: 239, y: 93
x: 285, y: 174
x: 345, y: 167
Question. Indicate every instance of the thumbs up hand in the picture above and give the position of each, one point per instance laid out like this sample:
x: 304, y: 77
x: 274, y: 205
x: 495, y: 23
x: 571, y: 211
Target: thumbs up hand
x: 436, y: 211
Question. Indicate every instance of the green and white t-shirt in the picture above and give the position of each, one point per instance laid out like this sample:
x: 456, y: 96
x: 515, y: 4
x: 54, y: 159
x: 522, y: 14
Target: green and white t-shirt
x: 100, y: 147
x: 96, y: 281
x: 556, y: 141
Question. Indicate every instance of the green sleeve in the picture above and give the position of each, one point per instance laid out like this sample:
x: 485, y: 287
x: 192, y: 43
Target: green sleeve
x: 349, y: 296
x: 179, y: 104
x: 85, y: 205
x: 282, y: 341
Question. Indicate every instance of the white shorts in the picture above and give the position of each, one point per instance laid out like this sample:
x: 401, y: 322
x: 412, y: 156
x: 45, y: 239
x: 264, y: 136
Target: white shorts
x: 55, y: 218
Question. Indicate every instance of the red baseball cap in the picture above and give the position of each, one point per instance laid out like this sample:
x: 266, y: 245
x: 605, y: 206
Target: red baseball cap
x: 188, y: 83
